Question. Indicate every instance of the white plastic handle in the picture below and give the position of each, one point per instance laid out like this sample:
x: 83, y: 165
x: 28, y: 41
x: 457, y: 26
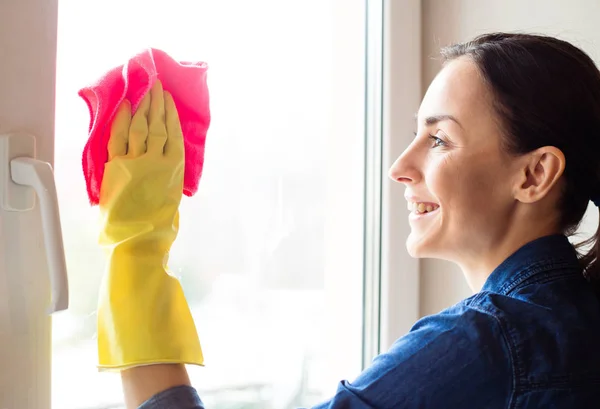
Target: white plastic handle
x: 40, y: 176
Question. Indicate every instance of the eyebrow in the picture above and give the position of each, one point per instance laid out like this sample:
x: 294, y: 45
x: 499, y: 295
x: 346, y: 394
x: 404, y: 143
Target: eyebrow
x: 434, y: 119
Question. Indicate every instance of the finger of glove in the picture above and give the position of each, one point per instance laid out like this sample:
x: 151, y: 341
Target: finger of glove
x: 157, y: 133
x: 174, y: 147
x: 119, y: 131
x: 138, y: 131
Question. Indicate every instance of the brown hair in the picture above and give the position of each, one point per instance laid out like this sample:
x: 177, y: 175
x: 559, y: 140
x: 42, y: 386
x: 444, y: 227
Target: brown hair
x: 547, y: 93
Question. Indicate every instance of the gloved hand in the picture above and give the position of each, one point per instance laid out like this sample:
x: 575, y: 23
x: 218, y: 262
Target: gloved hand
x: 143, y: 316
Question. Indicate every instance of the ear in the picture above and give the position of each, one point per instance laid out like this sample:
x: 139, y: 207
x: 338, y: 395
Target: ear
x: 539, y: 172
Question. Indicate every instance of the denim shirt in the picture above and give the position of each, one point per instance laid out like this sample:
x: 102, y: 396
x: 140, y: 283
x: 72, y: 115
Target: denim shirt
x: 529, y: 339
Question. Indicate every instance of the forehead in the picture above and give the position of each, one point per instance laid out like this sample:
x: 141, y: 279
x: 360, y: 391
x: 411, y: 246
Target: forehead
x: 459, y: 90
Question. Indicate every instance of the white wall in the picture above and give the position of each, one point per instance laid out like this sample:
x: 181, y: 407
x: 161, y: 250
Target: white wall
x: 448, y: 21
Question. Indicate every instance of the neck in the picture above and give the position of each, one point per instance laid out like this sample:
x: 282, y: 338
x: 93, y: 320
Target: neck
x: 479, y: 263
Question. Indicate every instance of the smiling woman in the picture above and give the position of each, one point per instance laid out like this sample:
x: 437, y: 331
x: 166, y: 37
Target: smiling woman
x: 501, y: 171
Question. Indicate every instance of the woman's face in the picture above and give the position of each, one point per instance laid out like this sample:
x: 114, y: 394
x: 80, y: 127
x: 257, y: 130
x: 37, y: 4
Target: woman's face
x: 457, y: 177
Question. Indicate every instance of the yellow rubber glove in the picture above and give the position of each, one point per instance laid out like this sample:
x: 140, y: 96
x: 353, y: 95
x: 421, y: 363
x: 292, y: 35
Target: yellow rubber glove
x: 143, y: 316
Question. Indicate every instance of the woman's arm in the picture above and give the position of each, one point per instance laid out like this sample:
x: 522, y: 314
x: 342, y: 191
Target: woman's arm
x: 445, y: 361
x: 143, y: 382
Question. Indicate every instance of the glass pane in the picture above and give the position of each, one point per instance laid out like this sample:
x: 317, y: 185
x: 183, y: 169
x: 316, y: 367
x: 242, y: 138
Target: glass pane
x: 270, y: 249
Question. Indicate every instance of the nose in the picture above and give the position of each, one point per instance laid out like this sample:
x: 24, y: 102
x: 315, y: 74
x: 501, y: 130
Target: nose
x: 405, y: 169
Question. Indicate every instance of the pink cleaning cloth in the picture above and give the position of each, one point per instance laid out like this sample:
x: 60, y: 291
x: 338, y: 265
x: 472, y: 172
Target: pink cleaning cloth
x: 186, y: 81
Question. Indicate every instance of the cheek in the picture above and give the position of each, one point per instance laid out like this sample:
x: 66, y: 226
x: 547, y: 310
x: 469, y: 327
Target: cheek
x: 465, y: 187
x: 445, y: 179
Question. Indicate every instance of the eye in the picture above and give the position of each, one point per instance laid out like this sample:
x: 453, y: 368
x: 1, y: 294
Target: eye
x: 437, y: 142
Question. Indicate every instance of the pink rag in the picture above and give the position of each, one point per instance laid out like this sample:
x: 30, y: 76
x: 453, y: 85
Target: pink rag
x: 186, y: 81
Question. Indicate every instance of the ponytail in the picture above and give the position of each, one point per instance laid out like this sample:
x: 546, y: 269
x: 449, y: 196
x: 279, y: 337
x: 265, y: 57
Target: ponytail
x: 590, y: 261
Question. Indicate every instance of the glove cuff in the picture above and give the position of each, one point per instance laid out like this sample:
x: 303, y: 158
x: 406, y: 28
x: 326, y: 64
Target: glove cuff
x: 143, y: 316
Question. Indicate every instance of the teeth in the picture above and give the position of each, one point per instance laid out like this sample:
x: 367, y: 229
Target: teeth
x: 420, y: 207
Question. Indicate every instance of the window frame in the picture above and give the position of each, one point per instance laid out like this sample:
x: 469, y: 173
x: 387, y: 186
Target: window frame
x: 27, y: 80
x: 393, y: 93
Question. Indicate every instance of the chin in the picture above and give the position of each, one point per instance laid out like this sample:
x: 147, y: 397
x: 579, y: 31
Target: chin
x: 412, y: 247
x: 420, y: 247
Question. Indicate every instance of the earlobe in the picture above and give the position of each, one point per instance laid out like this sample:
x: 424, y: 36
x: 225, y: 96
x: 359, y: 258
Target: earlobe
x: 541, y: 171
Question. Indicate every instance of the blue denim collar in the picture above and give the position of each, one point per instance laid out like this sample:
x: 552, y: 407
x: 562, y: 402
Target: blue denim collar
x: 544, y: 258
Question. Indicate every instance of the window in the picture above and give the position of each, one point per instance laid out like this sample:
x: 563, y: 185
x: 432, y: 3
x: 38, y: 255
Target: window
x: 270, y: 250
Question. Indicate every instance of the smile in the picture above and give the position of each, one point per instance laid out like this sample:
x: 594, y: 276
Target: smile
x: 422, y: 208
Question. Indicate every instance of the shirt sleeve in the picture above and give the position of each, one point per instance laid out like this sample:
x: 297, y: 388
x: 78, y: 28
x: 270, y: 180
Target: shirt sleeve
x: 179, y: 397
x: 456, y: 359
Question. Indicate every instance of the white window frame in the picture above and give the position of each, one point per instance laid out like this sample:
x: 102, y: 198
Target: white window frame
x: 393, y: 94
x: 28, y: 32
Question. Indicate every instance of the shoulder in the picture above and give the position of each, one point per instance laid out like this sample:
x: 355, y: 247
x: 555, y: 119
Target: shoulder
x: 472, y: 322
x: 552, y: 330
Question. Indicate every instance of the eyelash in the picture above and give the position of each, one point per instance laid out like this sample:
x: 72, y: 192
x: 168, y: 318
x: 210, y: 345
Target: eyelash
x: 437, y: 142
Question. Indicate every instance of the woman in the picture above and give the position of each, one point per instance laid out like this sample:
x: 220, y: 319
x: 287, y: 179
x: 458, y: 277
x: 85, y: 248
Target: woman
x: 501, y: 170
